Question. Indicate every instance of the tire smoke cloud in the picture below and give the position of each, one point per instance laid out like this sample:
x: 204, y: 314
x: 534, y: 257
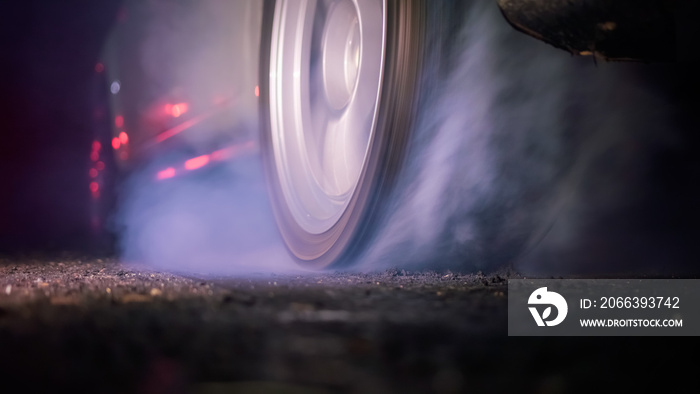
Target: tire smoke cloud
x: 210, y: 220
x: 523, y: 156
x: 529, y: 158
x: 218, y: 222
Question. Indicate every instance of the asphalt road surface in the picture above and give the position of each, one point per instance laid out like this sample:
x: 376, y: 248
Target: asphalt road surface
x: 95, y: 325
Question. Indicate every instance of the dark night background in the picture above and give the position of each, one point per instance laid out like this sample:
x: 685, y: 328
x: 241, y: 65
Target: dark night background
x: 49, y: 52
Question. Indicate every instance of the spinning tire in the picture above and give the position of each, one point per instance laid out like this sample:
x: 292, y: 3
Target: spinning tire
x: 339, y: 82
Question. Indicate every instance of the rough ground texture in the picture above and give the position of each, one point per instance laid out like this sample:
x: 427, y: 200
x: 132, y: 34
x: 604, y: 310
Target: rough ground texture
x: 94, y: 325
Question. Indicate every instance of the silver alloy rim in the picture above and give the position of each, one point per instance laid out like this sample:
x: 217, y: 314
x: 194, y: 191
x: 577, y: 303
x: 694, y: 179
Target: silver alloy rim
x: 326, y: 67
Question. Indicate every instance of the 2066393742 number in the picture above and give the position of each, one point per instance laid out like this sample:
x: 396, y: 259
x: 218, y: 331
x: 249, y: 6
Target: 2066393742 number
x: 639, y: 302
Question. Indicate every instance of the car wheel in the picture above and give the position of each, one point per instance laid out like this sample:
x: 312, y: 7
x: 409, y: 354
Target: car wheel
x: 339, y: 82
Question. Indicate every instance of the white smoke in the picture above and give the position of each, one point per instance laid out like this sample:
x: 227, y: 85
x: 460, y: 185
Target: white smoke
x: 508, y: 152
x: 217, y: 219
x: 520, y: 152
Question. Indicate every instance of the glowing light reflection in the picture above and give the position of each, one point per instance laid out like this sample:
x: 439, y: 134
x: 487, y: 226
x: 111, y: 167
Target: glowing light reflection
x: 197, y: 162
x: 115, y: 87
x: 176, y: 110
x: 218, y: 155
x: 166, y: 173
x: 180, y: 128
x: 232, y: 151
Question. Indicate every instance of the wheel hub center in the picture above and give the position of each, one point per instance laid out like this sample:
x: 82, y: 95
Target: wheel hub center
x: 342, y: 45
